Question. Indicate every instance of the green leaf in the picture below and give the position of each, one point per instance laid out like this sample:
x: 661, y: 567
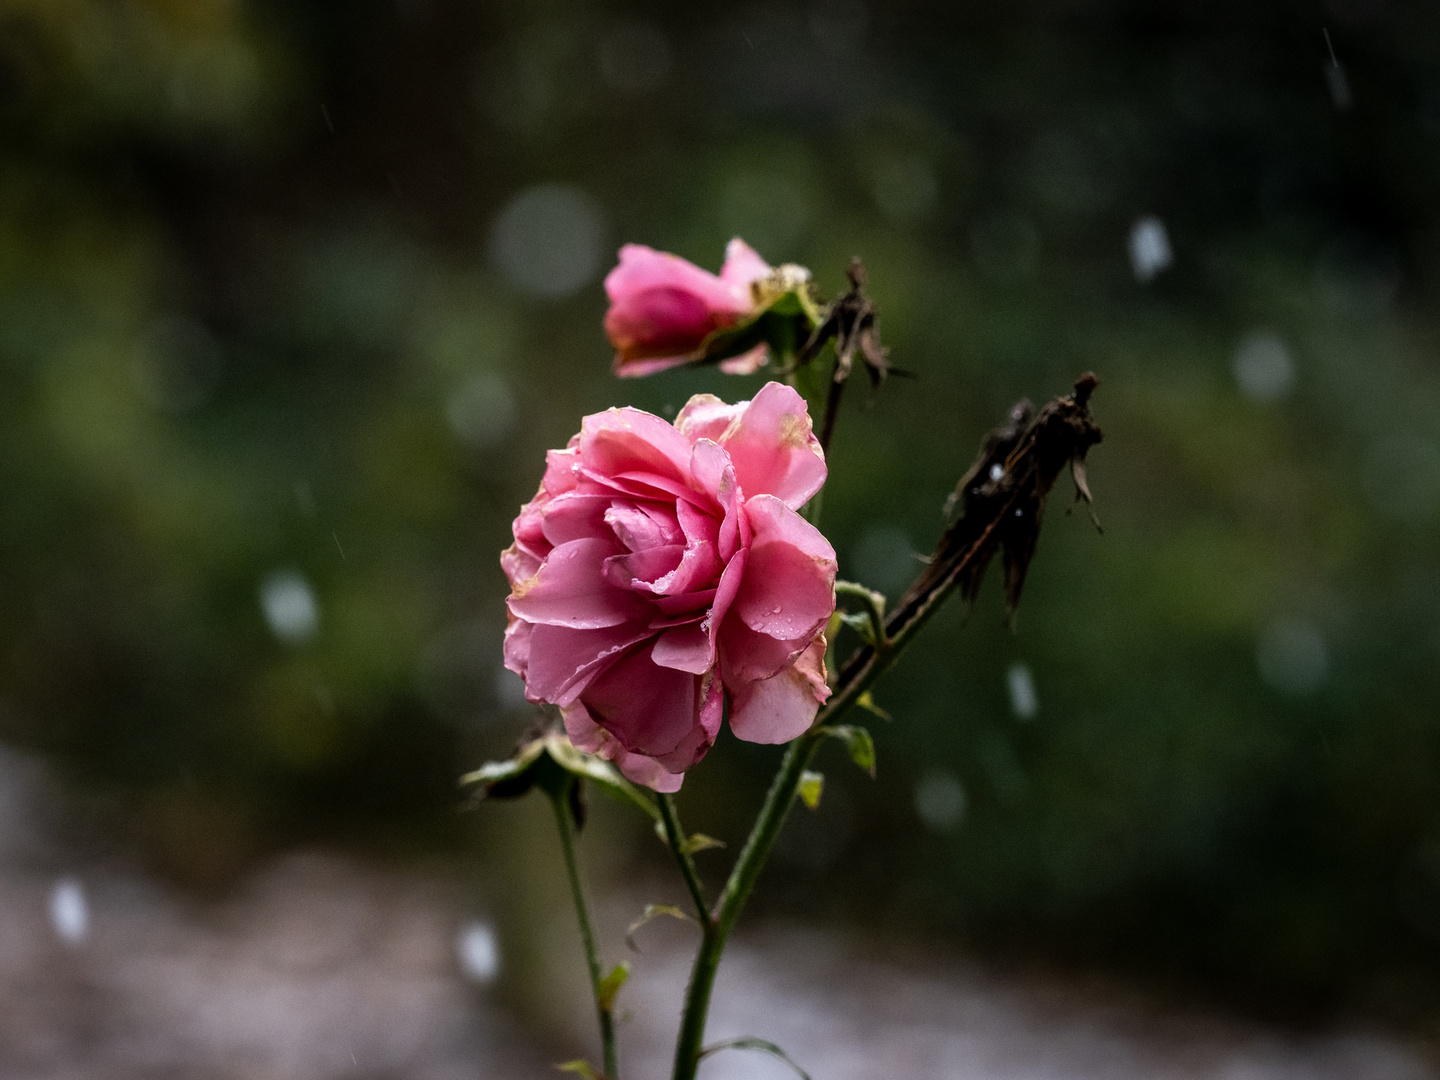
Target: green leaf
x: 700, y: 842
x: 866, y: 702
x: 752, y: 1043
x: 695, y: 842
x: 811, y: 785
x: 599, y: 770
x: 654, y: 911
x: 870, y: 623
x: 582, y: 1068
x: 857, y: 740
x: 859, y: 621
x: 506, y: 779
x: 610, y: 986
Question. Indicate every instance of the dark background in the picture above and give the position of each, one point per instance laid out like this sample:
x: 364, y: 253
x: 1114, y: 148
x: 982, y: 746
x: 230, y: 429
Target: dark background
x: 293, y: 297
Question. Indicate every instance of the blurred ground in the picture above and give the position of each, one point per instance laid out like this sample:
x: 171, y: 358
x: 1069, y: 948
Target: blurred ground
x: 324, y: 966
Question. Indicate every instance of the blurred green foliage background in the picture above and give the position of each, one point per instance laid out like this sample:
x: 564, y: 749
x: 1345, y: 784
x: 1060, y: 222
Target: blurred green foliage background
x: 293, y: 297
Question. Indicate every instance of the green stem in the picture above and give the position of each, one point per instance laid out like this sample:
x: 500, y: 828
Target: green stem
x: 732, y: 900
x: 587, y: 933
x: 857, y: 676
x: 675, y: 837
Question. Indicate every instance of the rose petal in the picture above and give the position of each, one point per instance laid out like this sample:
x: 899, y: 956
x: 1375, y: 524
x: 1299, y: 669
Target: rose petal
x: 657, y: 323
x: 705, y: 416
x: 563, y: 661
x: 663, y: 307
x: 747, y: 363
x: 742, y: 266
x: 529, y: 528
x: 573, y: 516
x: 642, y: 269
x: 694, y: 746
x: 685, y: 648
x: 640, y: 570
x: 560, y: 465
x: 589, y: 736
x: 789, y: 586
x: 639, y: 486
x: 571, y: 589
x: 780, y: 708
x: 517, y: 645
x: 691, y: 605
x: 641, y: 527
x: 773, y: 448
x: 518, y: 564
x: 711, y: 470
x: 649, y: 708
x: 746, y: 656
x: 635, y: 369
x: 620, y: 441
x: 811, y: 665
x: 725, y: 592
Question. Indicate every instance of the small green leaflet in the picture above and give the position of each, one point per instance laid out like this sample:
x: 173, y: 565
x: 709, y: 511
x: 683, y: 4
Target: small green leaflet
x: 700, y: 842
x: 653, y: 911
x: 610, y: 986
x: 504, y: 779
x: 866, y: 702
x: 857, y: 740
x: 859, y: 621
x: 811, y: 785
x: 582, y: 1068
x: 752, y: 1043
x: 693, y: 843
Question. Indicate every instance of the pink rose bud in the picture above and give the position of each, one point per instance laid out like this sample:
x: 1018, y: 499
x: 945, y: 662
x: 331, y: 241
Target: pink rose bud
x: 662, y: 307
x: 662, y: 568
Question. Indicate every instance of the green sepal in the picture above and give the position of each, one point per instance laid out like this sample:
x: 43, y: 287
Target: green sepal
x: 551, y: 762
x: 785, y: 315
x: 812, y: 784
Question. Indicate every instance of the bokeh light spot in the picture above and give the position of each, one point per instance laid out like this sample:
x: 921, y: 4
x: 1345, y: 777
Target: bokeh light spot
x: 481, y: 410
x: 69, y: 912
x: 1021, y: 683
x: 1291, y: 656
x: 940, y: 801
x: 478, y: 952
x: 1264, y: 369
x: 290, y: 608
x: 1149, y: 247
x: 547, y: 241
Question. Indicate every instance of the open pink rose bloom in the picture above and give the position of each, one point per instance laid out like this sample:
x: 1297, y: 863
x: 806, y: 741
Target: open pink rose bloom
x: 662, y: 307
x: 662, y: 569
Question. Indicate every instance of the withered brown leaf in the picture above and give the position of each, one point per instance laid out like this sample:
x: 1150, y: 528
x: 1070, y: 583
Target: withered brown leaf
x: 998, y: 506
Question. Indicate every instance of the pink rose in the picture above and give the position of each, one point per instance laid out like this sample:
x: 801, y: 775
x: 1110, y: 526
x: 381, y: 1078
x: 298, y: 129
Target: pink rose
x: 662, y: 307
x: 661, y: 568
